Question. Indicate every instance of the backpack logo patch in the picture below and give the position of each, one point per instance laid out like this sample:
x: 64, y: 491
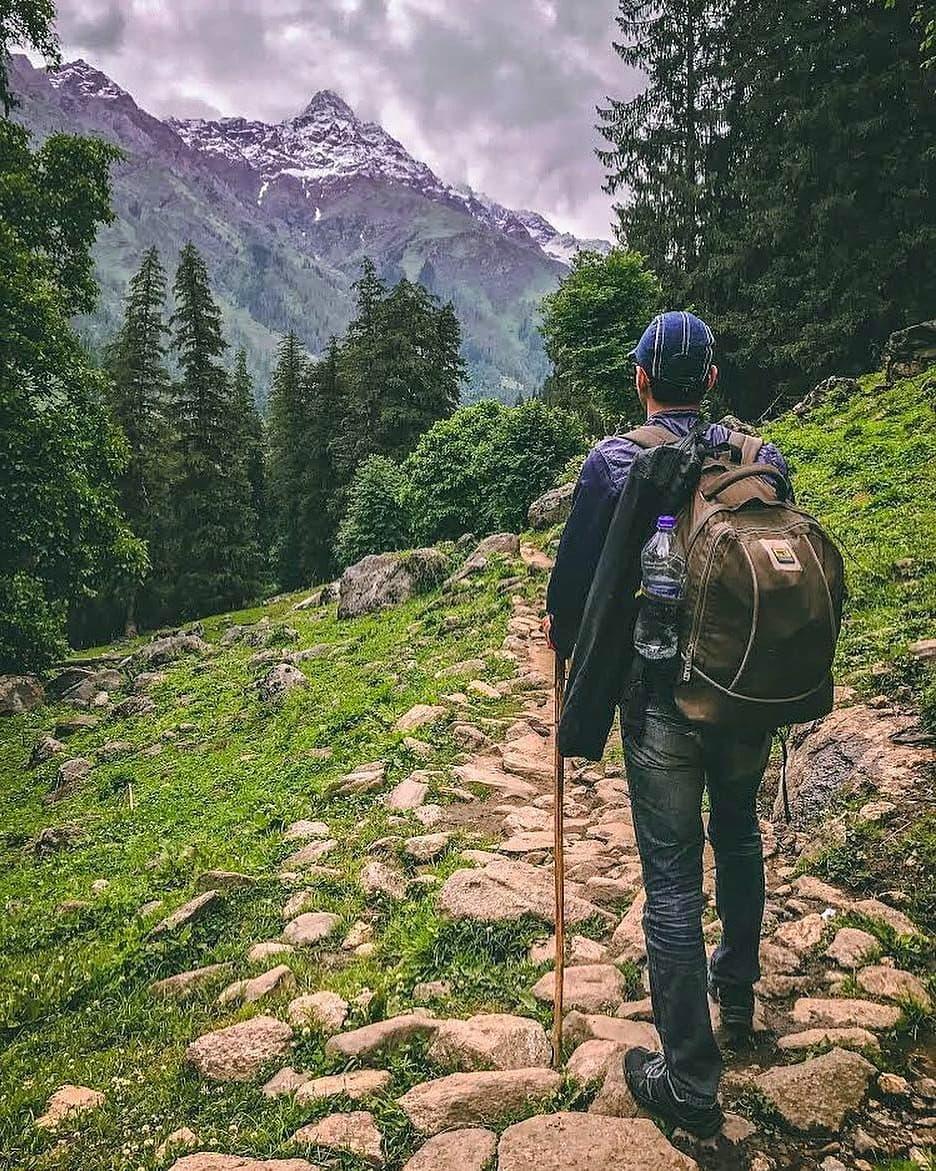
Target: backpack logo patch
x: 782, y: 556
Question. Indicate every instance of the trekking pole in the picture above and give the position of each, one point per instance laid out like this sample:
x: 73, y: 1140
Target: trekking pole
x: 559, y: 863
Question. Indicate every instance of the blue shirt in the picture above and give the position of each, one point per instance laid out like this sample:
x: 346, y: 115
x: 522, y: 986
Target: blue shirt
x: 599, y: 487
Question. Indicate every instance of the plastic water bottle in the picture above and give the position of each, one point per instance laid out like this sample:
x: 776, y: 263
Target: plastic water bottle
x: 664, y: 578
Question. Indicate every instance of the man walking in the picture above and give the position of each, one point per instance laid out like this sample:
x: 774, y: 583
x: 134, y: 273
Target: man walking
x: 669, y: 765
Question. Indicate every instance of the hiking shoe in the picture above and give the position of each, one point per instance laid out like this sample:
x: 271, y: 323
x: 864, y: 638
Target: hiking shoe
x: 650, y: 1083
x: 736, y: 1004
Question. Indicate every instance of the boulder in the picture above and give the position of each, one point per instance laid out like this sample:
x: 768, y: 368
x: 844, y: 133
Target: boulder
x: 587, y: 1142
x: 815, y: 1096
x: 552, y: 508
x: 481, y: 1098
x: 910, y: 351
x: 371, y: 1041
x: 166, y: 649
x: 592, y: 1059
x: 355, y: 1133
x: 458, y: 1150
x: 850, y: 752
x: 280, y: 681
x: 504, y: 544
x: 505, y: 890
x: 237, y: 1053
x: 387, y: 579
x: 185, y: 984
x: 19, y: 693
x: 490, y: 1041
x: 614, y: 1099
x: 324, y: 1010
x: 66, y: 1102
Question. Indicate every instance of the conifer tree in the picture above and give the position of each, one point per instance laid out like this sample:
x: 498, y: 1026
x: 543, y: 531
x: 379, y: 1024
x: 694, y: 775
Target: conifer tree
x: 253, y: 445
x: 329, y: 412
x: 216, y: 559
x: 660, y: 139
x: 139, y: 394
x: 289, y: 431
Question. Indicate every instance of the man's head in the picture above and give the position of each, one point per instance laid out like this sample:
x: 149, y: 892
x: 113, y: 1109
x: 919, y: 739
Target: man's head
x: 674, y: 361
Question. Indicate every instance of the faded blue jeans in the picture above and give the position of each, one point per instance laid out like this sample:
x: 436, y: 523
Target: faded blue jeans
x: 668, y: 768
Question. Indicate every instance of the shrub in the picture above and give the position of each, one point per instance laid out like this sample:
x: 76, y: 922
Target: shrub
x: 376, y: 520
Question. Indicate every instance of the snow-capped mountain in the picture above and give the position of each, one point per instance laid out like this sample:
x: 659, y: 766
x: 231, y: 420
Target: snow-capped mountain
x: 285, y: 212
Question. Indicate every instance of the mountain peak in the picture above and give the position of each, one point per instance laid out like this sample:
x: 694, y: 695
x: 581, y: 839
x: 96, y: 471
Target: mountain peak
x: 327, y: 104
x: 78, y: 77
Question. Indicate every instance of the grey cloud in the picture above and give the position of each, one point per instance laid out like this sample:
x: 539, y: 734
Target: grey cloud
x: 498, y: 93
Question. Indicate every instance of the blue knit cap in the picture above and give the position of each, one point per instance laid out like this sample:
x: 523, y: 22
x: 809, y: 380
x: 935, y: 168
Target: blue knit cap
x: 676, y: 349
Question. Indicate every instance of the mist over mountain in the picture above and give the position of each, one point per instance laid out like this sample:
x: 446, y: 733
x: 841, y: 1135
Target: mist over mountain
x: 285, y: 212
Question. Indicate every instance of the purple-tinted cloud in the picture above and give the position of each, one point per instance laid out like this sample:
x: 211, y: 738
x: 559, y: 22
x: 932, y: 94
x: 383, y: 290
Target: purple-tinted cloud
x: 497, y: 93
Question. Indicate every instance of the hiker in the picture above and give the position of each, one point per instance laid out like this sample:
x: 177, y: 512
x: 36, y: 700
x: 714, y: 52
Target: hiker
x: 670, y: 760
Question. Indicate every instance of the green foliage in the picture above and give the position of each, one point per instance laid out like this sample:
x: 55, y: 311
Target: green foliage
x: 591, y: 323
x: 291, y: 426
x: 215, y: 556
x: 25, y: 23
x: 786, y: 193
x: 376, y: 520
x: 62, y: 533
x: 480, y: 470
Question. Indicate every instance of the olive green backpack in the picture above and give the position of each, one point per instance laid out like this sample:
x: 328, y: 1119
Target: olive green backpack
x: 764, y: 594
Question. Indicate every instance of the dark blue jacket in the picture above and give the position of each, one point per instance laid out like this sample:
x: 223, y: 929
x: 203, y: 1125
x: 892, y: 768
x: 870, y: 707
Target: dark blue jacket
x: 599, y: 487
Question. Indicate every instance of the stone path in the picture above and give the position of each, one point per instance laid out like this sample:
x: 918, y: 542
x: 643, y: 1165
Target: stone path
x: 824, y: 986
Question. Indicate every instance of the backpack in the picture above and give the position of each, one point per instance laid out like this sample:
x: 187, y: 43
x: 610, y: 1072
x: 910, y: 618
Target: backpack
x: 765, y: 589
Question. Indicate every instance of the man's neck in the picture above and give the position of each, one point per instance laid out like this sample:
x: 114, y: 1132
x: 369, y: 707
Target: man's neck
x: 655, y: 408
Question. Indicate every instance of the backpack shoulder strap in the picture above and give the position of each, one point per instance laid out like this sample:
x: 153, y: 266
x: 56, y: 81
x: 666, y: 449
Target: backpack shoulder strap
x: 747, y: 446
x: 651, y: 435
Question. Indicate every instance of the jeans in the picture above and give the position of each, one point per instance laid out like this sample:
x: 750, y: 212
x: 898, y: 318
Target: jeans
x: 668, y: 767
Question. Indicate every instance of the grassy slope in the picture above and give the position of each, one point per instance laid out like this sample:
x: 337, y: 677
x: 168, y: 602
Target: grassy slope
x: 73, y: 999
x: 865, y: 467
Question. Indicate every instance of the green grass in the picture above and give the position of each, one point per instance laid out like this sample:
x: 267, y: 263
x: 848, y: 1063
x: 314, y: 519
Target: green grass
x: 74, y: 1005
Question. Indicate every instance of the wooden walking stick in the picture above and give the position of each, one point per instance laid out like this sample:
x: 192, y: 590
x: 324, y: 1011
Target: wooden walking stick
x: 559, y: 863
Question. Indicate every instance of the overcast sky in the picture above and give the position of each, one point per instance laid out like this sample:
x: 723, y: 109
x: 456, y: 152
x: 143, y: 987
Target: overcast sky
x: 500, y: 94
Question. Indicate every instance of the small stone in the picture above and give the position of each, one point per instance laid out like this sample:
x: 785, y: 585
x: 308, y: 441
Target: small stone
x: 372, y: 1041
x: 592, y: 1059
x: 458, y: 1150
x: 267, y: 950
x: 237, y: 1053
x: 485, y: 690
x: 189, y: 912
x: 427, y: 847
x: 894, y: 984
x: 428, y: 815
x: 737, y: 1130
x: 627, y: 1034
x: 845, y: 1013
x: 409, y: 793
x: 70, y: 772
x: 419, y: 748
x: 311, y: 928
x: 817, y: 1095
x: 419, y: 716
x: 355, y: 1133
x: 100, y: 886
x: 588, y: 1142
x: 800, y: 935
x: 223, y: 880
x: 323, y: 1010
x: 182, y: 1139
x: 185, y: 984
x: 853, y: 1038
x: 469, y: 1099
x: 358, y: 934
x: 378, y: 878
x: 358, y: 1084
x: 588, y: 987
x: 284, y: 1082
x: 614, y: 1099
x: 628, y: 942
x: 276, y: 980
x: 310, y: 854
x: 306, y: 829
x: 875, y: 811
x: 490, y: 1041
x: 68, y: 1101
x: 280, y: 681
x: 893, y: 1085
x: 430, y: 990
x: 851, y: 947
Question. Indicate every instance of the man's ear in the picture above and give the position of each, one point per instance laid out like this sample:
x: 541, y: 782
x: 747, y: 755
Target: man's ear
x: 712, y: 377
x: 642, y: 381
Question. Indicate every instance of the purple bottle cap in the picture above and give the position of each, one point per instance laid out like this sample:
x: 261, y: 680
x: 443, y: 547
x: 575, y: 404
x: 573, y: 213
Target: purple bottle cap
x: 666, y: 524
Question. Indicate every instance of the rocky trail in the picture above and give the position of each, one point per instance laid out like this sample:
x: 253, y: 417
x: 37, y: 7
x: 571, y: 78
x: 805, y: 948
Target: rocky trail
x: 814, y: 1089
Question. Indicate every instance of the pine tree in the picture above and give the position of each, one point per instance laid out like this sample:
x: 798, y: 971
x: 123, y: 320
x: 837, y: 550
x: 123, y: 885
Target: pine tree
x: 139, y: 394
x: 253, y: 445
x: 660, y: 140
x: 215, y: 555
x: 329, y: 412
x: 290, y: 427
x: 363, y: 371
